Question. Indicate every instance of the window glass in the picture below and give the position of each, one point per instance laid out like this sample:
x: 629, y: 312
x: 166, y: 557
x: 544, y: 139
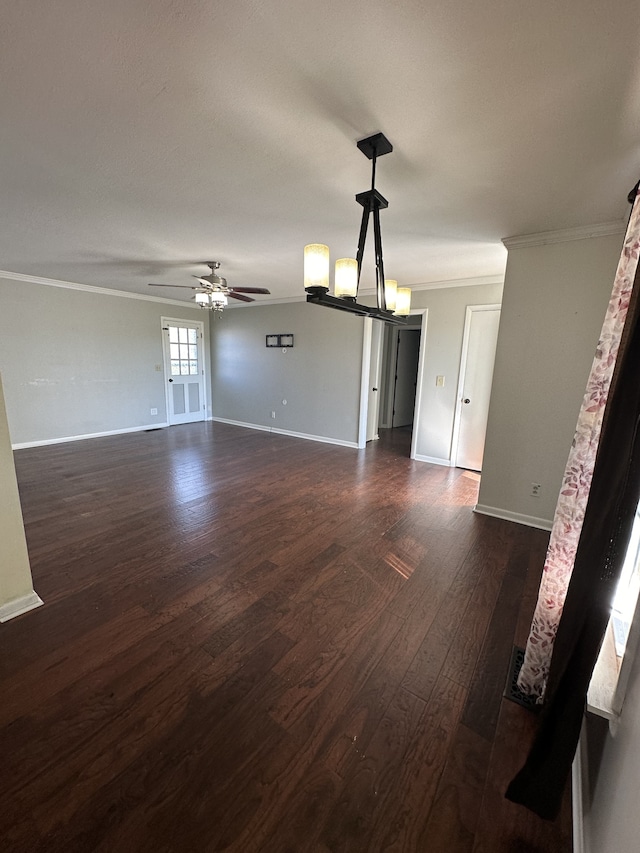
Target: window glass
x: 183, y: 351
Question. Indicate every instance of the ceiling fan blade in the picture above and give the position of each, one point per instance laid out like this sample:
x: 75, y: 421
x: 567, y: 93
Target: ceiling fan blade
x: 240, y: 297
x: 187, y: 286
x: 250, y: 290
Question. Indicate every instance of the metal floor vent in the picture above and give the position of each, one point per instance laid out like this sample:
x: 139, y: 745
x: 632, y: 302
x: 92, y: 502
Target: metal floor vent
x: 511, y: 690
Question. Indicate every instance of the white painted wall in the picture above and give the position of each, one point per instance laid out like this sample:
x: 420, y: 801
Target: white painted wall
x: 77, y: 363
x: 319, y: 377
x: 16, y: 588
x: 445, y: 328
x: 554, y: 302
x: 613, y: 819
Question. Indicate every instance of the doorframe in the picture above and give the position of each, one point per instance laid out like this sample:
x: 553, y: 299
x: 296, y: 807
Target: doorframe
x: 373, y: 394
x: 470, y: 311
x: 367, y: 329
x: 167, y: 367
x: 419, y: 379
x: 364, y: 378
x: 389, y: 370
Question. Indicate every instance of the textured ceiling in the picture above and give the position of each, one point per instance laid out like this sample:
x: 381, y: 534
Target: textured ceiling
x: 141, y: 137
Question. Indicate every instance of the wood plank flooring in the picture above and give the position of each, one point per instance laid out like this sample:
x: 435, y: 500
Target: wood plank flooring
x: 263, y: 644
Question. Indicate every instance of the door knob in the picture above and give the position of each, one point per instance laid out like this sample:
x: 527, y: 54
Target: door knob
x: 171, y: 380
x: 374, y: 389
x: 466, y: 399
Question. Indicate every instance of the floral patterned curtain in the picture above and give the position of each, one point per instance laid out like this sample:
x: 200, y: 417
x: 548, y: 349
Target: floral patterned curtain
x: 576, y: 483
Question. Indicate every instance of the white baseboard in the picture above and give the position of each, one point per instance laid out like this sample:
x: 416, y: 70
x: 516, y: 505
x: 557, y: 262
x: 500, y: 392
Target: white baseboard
x: 24, y: 444
x: 19, y: 606
x: 434, y: 460
x: 519, y: 518
x: 308, y: 436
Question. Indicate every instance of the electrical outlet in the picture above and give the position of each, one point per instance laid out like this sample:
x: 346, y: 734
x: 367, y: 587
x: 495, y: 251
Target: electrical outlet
x: 273, y: 414
x: 536, y: 489
x: 154, y: 411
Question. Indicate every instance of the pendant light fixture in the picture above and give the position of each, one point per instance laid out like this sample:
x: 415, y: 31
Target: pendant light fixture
x: 393, y: 303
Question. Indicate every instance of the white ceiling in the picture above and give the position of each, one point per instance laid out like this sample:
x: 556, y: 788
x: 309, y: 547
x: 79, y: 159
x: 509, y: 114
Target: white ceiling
x: 140, y: 137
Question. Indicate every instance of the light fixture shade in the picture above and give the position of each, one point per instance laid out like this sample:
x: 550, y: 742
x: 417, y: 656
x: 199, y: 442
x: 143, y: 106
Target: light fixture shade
x: 346, y: 280
x: 316, y: 265
x: 390, y: 293
x: 218, y: 299
x: 403, y: 302
x: 202, y: 299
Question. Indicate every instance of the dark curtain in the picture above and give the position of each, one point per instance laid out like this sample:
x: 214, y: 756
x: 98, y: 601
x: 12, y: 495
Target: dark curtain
x: 613, y: 499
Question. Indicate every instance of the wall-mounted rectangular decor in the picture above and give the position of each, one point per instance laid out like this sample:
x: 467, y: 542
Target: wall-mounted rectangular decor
x: 284, y: 340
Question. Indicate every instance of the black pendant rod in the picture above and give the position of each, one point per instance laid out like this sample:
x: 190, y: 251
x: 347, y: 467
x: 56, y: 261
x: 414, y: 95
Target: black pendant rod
x: 372, y: 202
x: 382, y: 300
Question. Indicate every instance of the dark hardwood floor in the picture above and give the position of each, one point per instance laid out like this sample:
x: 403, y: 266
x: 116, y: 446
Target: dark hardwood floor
x: 257, y: 643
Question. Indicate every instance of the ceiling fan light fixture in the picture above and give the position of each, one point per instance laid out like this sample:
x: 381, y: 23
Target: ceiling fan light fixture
x: 213, y: 290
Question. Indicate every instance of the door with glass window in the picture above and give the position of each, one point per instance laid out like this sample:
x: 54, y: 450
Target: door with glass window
x: 184, y: 370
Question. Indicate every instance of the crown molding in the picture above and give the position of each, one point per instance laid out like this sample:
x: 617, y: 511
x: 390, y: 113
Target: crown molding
x: 438, y: 285
x: 565, y: 235
x: 105, y: 291
x: 459, y: 282
x: 89, y: 288
x: 370, y: 291
x: 278, y: 301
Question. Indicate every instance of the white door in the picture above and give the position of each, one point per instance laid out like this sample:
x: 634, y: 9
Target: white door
x: 406, y: 377
x: 474, y: 388
x: 375, y: 375
x: 184, y: 370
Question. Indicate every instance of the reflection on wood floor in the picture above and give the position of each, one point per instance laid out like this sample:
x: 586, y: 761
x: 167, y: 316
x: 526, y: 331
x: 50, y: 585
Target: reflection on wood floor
x: 258, y: 643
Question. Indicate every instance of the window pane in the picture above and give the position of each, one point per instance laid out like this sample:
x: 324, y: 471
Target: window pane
x: 183, y: 336
x: 184, y: 351
x: 175, y: 368
x: 175, y: 350
x: 192, y: 336
x: 193, y: 352
x: 184, y: 368
x: 173, y: 334
x: 193, y: 367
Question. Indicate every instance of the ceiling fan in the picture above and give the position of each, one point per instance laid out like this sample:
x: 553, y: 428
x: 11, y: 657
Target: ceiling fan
x: 213, y: 290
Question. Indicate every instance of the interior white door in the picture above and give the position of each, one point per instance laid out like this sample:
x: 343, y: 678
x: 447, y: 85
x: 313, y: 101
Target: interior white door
x: 474, y: 388
x: 184, y: 370
x: 406, y: 376
x: 375, y: 375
